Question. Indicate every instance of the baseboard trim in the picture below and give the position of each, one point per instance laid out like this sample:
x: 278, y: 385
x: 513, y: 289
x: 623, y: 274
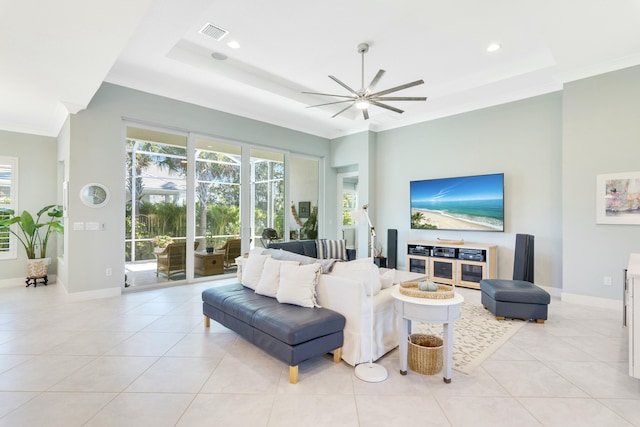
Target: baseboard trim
x: 592, y: 301
x: 89, y: 295
x: 20, y: 281
x: 12, y: 283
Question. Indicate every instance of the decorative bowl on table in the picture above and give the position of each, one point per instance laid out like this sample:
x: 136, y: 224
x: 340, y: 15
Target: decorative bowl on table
x: 412, y: 289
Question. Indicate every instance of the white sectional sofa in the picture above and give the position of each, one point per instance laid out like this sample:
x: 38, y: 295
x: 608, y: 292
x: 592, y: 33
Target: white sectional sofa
x: 346, y: 290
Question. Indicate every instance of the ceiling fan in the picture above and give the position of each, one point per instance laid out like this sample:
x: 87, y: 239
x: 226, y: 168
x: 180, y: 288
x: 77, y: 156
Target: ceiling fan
x: 365, y: 97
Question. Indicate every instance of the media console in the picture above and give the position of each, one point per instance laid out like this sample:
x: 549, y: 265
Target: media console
x: 461, y: 265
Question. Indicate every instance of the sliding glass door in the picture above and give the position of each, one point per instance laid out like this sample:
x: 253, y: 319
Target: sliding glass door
x: 156, y: 208
x: 196, y: 203
x: 178, y: 228
x: 217, y: 192
x: 267, y: 196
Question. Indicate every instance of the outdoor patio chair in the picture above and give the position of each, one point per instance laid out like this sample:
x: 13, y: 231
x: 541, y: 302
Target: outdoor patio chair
x: 231, y: 250
x: 172, y: 260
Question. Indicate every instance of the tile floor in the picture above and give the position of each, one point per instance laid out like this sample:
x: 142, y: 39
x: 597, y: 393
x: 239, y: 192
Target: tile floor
x: 145, y: 359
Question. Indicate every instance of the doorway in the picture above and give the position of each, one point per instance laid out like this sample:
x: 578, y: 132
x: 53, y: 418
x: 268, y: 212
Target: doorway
x: 348, y: 203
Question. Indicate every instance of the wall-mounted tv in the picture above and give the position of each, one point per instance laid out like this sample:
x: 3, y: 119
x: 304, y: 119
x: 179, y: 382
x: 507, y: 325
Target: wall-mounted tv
x: 463, y: 203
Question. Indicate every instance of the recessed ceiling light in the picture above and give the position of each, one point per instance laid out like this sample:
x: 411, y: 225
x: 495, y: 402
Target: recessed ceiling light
x: 233, y: 44
x: 219, y: 56
x: 493, y: 47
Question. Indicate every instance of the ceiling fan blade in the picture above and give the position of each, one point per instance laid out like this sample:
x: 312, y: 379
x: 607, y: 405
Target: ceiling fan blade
x: 365, y: 114
x: 329, y: 103
x: 343, y: 85
x: 344, y: 109
x: 400, y: 98
x: 375, y: 80
x: 327, y: 94
x: 388, y: 107
x: 397, y: 88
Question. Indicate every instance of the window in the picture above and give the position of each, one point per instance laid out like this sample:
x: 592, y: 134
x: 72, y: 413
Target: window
x: 8, y: 199
x: 349, y: 203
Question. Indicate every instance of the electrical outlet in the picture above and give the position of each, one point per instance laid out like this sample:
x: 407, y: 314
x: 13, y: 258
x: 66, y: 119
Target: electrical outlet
x: 607, y: 280
x: 108, y: 272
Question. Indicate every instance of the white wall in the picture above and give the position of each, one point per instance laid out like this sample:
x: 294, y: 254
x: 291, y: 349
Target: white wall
x: 63, y: 154
x: 601, y: 134
x: 357, y: 153
x: 520, y: 139
x: 37, y: 166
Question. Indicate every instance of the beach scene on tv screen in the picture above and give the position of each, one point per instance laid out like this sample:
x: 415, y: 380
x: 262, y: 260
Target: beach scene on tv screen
x: 463, y: 203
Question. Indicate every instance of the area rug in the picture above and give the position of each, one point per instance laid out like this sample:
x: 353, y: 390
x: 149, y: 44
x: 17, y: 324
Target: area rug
x: 476, y: 335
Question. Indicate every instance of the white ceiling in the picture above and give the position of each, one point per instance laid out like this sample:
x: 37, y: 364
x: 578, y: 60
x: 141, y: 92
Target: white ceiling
x: 56, y: 54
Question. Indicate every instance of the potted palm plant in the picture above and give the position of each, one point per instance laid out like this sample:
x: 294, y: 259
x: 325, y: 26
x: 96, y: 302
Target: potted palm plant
x: 33, y: 234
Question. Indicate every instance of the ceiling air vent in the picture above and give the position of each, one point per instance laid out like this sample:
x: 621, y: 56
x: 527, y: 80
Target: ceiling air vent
x: 214, y: 32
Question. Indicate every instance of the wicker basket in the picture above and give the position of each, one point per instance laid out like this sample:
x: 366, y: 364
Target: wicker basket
x: 410, y: 289
x: 425, y: 354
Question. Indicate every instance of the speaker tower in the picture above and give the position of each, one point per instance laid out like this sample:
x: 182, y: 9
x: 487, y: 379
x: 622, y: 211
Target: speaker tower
x: 523, y: 258
x: 392, y: 248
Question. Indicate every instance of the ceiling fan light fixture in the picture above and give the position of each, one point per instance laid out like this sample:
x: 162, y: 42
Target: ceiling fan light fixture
x: 362, y: 104
x: 366, y: 96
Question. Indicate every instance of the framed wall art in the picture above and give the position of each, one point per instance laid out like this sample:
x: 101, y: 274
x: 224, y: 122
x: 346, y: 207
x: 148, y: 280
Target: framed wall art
x: 618, y: 198
x: 304, y: 209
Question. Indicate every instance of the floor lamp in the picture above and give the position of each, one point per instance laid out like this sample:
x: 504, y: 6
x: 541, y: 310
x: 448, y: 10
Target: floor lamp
x: 370, y: 372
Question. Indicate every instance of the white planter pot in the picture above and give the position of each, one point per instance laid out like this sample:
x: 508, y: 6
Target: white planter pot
x: 38, y: 267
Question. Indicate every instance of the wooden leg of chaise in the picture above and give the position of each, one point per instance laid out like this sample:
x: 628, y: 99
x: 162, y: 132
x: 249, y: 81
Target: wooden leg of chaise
x: 539, y: 320
x: 337, y: 355
x: 293, y: 374
x: 207, y: 322
x: 499, y: 317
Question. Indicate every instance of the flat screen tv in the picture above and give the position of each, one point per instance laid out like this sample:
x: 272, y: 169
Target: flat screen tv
x: 463, y: 203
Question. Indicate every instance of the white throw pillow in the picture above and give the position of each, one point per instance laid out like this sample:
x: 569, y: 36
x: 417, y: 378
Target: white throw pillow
x: 362, y: 270
x: 386, y: 279
x: 270, y: 278
x: 298, y: 284
x: 252, y: 270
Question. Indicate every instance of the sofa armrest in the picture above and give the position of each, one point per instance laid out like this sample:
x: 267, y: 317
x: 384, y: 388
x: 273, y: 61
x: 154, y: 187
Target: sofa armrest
x: 349, y: 298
